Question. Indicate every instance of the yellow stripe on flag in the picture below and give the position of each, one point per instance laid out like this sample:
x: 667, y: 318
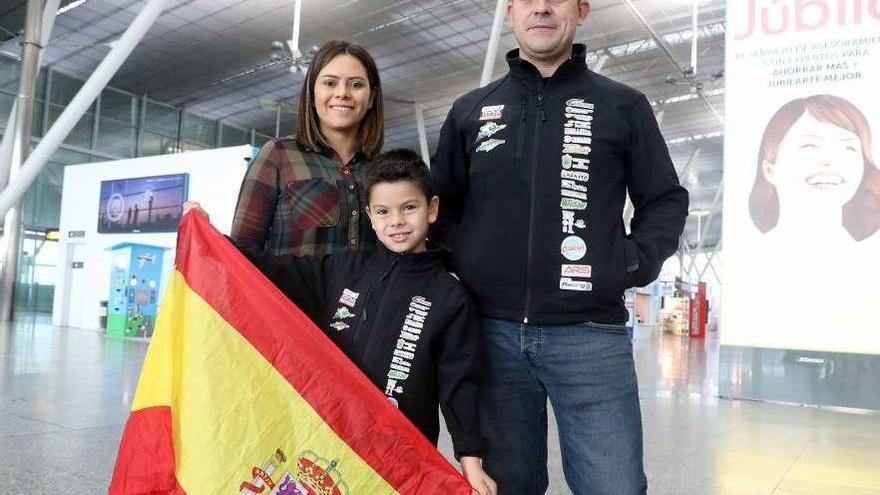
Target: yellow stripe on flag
x: 218, y: 378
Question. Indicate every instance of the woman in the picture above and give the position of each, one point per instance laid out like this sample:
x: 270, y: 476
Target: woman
x: 816, y: 172
x: 304, y: 195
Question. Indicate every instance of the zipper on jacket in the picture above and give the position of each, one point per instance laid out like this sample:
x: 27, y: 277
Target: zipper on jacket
x: 382, y: 278
x: 522, y: 127
x: 377, y: 294
x: 532, y: 188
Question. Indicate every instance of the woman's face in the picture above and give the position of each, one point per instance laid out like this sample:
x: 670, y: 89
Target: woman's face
x: 342, y: 95
x: 817, y: 162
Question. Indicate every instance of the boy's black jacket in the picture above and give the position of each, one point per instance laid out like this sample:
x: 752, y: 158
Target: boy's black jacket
x: 532, y: 175
x: 404, y: 321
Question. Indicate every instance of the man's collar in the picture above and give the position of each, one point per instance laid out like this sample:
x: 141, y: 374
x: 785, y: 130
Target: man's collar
x: 522, y: 69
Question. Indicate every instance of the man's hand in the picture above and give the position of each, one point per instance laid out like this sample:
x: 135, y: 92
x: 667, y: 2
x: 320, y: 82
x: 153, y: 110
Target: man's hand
x: 472, y: 469
x: 195, y: 206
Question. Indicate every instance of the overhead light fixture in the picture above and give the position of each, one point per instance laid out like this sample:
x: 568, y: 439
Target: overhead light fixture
x: 699, y: 212
x: 72, y: 5
x: 282, y: 53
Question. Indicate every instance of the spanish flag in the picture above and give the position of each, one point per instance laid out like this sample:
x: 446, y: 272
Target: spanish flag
x: 241, y: 393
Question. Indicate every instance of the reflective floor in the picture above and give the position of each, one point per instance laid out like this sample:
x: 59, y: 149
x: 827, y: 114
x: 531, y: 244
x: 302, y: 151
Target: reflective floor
x: 65, y: 395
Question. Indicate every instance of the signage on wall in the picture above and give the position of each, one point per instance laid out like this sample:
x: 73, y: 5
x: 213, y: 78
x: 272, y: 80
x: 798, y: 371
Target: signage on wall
x: 801, y: 182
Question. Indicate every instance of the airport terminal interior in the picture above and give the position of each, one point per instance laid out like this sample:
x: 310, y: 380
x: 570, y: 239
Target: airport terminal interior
x: 757, y: 351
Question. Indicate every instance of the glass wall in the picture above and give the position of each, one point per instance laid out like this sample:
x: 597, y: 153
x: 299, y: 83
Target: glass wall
x: 118, y: 125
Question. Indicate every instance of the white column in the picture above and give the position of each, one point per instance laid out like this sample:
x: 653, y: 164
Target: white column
x: 494, y: 39
x: 423, y: 135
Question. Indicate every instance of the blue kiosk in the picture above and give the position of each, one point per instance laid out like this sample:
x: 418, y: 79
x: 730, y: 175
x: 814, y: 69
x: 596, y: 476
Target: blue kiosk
x: 135, y: 279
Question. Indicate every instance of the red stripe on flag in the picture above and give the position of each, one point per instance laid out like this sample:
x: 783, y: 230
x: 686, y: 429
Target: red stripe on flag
x: 363, y: 418
x: 145, y: 464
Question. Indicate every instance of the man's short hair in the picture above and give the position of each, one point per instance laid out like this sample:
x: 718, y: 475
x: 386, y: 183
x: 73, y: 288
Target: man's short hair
x: 399, y: 165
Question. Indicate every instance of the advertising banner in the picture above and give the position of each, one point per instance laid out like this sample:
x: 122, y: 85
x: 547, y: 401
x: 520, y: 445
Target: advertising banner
x: 802, y: 188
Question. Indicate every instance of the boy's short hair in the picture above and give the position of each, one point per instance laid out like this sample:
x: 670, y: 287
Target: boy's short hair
x: 397, y: 165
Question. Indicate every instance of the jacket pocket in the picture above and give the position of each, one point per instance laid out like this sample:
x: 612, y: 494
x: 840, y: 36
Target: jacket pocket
x: 311, y: 203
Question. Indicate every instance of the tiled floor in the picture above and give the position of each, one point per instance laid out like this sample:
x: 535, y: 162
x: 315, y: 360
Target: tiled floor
x: 65, y: 395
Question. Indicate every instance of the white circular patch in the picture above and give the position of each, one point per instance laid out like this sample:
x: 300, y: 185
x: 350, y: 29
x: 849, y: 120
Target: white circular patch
x: 573, y: 248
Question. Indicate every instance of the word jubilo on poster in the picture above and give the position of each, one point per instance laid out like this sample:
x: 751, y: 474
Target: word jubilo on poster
x: 774, y: 17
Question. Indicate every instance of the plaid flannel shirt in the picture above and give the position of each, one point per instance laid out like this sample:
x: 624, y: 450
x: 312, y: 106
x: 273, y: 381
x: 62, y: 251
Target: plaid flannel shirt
x: 299, y: 202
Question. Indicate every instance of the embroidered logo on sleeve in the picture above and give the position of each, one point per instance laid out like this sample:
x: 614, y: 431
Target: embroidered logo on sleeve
x: 489, y: 145
x: 349, y: 298
x: 492, y: 112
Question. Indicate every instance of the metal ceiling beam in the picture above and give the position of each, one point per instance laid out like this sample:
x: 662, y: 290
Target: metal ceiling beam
x: 494, y: 40
x: 81, y: 102
x: 663, y: 46
x: 423, y: 135
x: 294, y: 37
x: 715, y: 207
x: 687, y: 166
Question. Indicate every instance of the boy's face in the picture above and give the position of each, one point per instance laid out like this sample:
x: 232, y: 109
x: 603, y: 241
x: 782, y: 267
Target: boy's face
x: 400, y: 215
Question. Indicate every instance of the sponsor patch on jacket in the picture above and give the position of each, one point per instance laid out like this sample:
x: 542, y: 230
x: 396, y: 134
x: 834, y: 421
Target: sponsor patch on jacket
x: 489, y: 145
x: 405, y: 350
x: 573, y: 204
x: 573, y: 194
x: 573, y: 175
x: 492, y: 112
x: 582, y: 271
x: 339, y: 325
x: 570, y: 221
x: 489, y: 129
x: 349, y: 298
x: 578, y: 285
x: 573, y: 248
x: 343, y: 313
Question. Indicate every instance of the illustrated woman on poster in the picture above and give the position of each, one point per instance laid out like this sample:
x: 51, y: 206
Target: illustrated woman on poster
x: 816, y: 174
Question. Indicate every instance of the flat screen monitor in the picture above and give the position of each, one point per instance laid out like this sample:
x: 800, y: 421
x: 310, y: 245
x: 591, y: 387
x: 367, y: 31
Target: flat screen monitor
x: 142, y: 204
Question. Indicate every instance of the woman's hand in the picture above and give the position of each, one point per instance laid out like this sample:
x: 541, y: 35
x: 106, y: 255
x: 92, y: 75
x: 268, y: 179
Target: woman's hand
x: 195, y: 206
x: 472, y: 469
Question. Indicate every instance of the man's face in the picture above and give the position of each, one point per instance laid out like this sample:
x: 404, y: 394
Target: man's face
x: 544, y: 29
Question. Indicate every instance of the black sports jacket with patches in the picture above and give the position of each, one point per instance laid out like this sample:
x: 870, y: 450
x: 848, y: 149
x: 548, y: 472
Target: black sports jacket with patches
x: 404, y: 321
x: 533, y: 174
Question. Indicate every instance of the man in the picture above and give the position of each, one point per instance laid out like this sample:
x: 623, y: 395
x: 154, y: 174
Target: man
x: 533, y: 172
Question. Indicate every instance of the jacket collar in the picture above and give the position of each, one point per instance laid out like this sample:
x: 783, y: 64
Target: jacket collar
x: 429, y: 259
x: 527, y: 73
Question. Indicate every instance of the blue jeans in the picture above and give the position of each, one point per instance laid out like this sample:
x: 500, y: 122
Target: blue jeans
x: 587, y: 371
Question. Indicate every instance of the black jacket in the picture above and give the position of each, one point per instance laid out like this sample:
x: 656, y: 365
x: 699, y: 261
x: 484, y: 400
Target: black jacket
x: 404, y: 321
x: 532, y: 176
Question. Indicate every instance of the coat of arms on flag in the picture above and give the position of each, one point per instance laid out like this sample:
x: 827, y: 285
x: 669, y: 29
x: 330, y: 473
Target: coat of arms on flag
x: 241, y: 393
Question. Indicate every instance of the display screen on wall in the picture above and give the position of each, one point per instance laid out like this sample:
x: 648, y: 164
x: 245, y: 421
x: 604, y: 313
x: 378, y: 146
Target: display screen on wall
x: 142, y: 204
x: 801, y: 257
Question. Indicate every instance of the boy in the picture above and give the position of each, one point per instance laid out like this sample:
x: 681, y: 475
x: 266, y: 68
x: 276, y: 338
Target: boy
x: 396, y: 312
